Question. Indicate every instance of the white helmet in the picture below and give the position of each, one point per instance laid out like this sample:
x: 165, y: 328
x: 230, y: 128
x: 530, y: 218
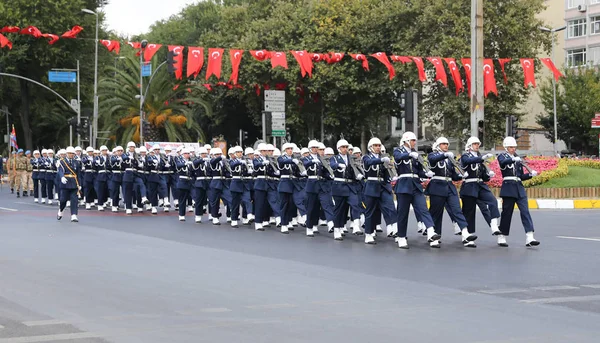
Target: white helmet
x: 296, y: 150
x: 372, y: 142
x: 261, y: 147
x: 230, y: 151
x: 407, y: 136
x: 70, y: 148
x: 270, y: 147
x: 357, y: 150
x: 50, y: 151
x: 130, y: 144
x: 104, y: 147
x: 383, y: 148
x: 96, y: 151
x: 350, y: 147
x: 304, y: 151
x: 207, y: 147
x: 216, y: 151
x: 143, y: 149
x: 62, y: 151
x: 237, y: 149
x: 342, y: 142
x: 156, y: 147
x: 44, y: 151
x: 119, y: 148
x: 202, y: 150
x: 168, y: 148
x: 471, y: 141
x: 313, y: 144
x: 249, y: 151
x: 36, y: 152
x: 441, y: 140
x: 329, y: 151
x: 185, y: 150
x: 509, y: 142
x: 137, y: 150
x: 321, y: 146
x: 276, y: 152
x: 294, y: 146
x: 78, y: 148
x: 89, y: 149
x: 287, y: 146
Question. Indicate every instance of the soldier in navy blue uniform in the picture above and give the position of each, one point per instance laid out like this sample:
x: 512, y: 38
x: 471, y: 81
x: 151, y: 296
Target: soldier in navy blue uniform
x: 299, y: 182
x: 102, y: 167
x: 50, y: 175
x: 170, y: 179
x: 247, y: 205
x: 474, y: 188
x: 140, y: 178
x: 377, y: 190
x: 286, y: 163
x: 68, y: 169
x: 237, y: 186
x: 512, y: 192
x: 201, y: 183
x: 409, y: 190
x: 157, y: 188
x: 42, y: 175
x: 129, y: 162
x: 345, y: 189
x: 261, y: 187
x: 89, y: 175
x: 35, y: 162
x: 217, y: 184
x: 118, y: 167
x: 318, y: 195
x: 442, y: 192
x: 184, y: 168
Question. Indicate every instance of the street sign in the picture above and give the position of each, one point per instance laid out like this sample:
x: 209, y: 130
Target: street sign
x: 75, y: 105
x: 62, y: 76
x: 596, y: 123
x: 147, y: 69
x: 275, y: 95
x: 274, y: 106
x: 278, y: 124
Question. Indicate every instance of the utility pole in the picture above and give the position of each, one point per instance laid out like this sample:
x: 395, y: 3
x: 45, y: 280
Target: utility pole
x: 477, y: 112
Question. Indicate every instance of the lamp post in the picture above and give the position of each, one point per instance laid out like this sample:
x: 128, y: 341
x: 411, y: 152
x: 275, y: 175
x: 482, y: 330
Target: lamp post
x: 143, y: 45
x: 95, y: 124
x: 553, y: 31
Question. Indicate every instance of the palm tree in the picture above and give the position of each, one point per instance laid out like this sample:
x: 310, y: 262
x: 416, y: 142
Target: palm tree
x: 172, y: 108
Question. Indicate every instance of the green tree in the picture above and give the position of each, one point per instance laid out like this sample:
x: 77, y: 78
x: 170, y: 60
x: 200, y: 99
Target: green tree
x: 577, y: 101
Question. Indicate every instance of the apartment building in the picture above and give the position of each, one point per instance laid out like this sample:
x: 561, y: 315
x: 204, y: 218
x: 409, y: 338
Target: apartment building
x: 582, y: 39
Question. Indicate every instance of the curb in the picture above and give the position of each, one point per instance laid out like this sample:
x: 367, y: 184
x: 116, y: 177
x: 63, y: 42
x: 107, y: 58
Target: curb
x: 553, y: 204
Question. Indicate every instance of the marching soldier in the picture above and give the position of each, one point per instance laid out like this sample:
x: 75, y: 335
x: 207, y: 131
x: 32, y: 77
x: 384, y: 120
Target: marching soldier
x: 28, y: 189
x: 50, y: 164
x: 184, y: 167
x: 237, y: 186
x: 247, y: 205
x: 201, y: 183
x: 474, y: 187
x: 101, y: 165
x: 42, y: 175
x: 68, y: 169
x: 140, y: 177
x: 35, y: 163
x: 170, y: 179
x: 157, y: 187
x: 286, y: 164
x: 129, y: 161
x: 118, y: 167
x: 217, y: 184
x: 512, y: 192
x: 89, y: 176
x: 317, y: 194
x: 299, y: 182
x: 442, y: 192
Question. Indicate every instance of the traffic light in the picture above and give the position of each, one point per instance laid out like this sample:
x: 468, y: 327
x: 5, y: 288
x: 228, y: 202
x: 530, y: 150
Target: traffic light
x: 244, y: 135
x: 514, y: 127
x: 480, y: 131
x: 411, y: 105
x: 171, y: 61
x: 402, y: 102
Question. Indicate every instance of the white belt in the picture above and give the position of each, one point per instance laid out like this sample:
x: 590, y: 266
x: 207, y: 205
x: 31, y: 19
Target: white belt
x: 261, y: 177
x: 236, y: 177
x: 128, y: 169
x: 90, y: 171
x: 201, y: 178
x: 473, y: 180
x: 314, y: 177
x: 341, y: 179
x: 218, y: 178
x: 154, y: 171
x: 408, y: 175
x: 102, y: 171
x: 116, y: 172
x: 442, y: 178
x: 184, y: 177
x: 248, y: 178
x: 286, y: 176
x: 512, y: 178
x: 372, y: 178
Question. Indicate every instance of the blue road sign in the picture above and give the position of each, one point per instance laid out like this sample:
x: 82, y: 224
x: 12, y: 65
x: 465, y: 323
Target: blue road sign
x: 147, y: 69
x: 62, y: 76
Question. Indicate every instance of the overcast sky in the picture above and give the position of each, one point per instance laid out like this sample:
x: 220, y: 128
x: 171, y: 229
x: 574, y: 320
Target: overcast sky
x: 131, y: 17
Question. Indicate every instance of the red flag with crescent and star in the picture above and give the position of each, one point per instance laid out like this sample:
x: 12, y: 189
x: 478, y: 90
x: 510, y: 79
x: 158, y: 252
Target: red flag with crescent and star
x: 278, y: 59
x: 72, y: 33
x: 195, y: 61
x: 382, y: 57
x: 260, y: 55
x: 32, y: 31
x: 5, y: 42
x: 421, y: 68
x: 305, y: 62
x: 503, y: 61
x: 335, y: 57
x: 215, y: 55
x: 528, y: 71
x: 361, y: 58
x: 317, y: 57
x: 548, y: 63
x: 150, y: 50
x: 10, y: 29
x: 236, y: 58
x: 466, y: 62
x: 178, y: 51
x: 111, y: 45
x: 489, y: 80
x: 402, y: 59
x: 440, y: 73
x: 53, y: 38
x: 455, y: 73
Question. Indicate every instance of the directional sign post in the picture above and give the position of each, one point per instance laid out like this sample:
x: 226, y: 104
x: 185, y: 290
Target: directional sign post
x: 275, y: 103
x: 278, y: 124
x: 596, y: 121
x: 62, y: 76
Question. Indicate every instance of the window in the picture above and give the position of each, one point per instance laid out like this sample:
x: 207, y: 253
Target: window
x: 575, y: 3
x: 576, y: 28
x: 576, y: 57
x: 593, y: 2
x: 595, y: 25
x: 594, y: 56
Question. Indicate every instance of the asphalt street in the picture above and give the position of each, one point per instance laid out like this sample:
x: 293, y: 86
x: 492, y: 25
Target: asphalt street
x: 143, y: 278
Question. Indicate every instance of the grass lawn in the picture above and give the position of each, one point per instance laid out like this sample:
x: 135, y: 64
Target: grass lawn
x: 578, y: 177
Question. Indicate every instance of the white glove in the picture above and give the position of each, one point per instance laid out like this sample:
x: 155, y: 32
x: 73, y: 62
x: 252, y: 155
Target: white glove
x: 317, y: 161
x: 465, y: 175
x: 167, y: 165
x: 449, y: 154
x: 63, y: 180
x: 83, y: 168
x: 141, y: 165
x: 360, y: 177
x: 189, y: 163
x: 429, y: 174
x: 516, y: 159
x: 303, y: 173
x: 207, y: 159
x: 120, y: 159
x: 295, y: 161
x: 414, y: 155
x: 79, y: 187
x: 277, y: 172
x: 395, y: 178
x: 385, y: 160
x: 341, y: 167
x: 487, y: 156
x: 534, y: 173
x: 491, y: 173
x: 265, y: 162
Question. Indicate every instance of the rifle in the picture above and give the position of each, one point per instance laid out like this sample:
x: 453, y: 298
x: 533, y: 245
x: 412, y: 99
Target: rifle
x: 300, y: 165
x: 425, y: 166
x: 326, y: 164
x: 524, y: 164
x: 273, y: 161
x: 390, y: 165
x: 354, y: 165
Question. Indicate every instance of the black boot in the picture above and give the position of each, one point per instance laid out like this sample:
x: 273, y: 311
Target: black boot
x: 25, y: 193
x: 12, y: 191
x: 18, y: 194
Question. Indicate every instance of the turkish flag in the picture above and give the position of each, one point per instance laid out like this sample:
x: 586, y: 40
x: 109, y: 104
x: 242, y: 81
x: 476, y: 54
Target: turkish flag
x: 440, y: 73
x: 305, y: 62
x: 382, y: 57
x: 455, y: 73
x: 236, y: 58
x: 280, y: 86
x: 317, y: 57
x: 135, y: 45
x: 466, y: 62
x: 548, y: 62
x: 503, y: 61
x: 421, y: 68
x: 403, y: 59
x: 72, y: 33
x: 335, y: 57
x: 10, y: 29
x: 214, y: 62
x: 111, y: 45
x: 150, y: 50
x: 260, y: 55
x: 195, y: 61
x: 528, y: 71
x: 208, y: 86
x: 178, y: 51
x: 278, y: 59
x: 363, y: 59
x: 5, y: 42
x: 32, y: 31
x: 489, y: 80
x: 257, y: 89
x: 53, y: 37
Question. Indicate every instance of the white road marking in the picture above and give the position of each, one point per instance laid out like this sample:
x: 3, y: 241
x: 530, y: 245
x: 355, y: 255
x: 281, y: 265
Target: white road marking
x: 50, y: 338
x: 269, y: 306
x: 580, y: 238
x: 44, y: 322
x: 1, y: 327
x: 554, y: 288
x: 502, y: 291
x: 215, y: 310
x: 557, y: 300
x: 591, y: 286
x: 8, y: 209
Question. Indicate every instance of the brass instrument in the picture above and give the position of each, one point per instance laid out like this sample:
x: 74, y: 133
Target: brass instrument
x: 326, y: 164
x: 390, y: 166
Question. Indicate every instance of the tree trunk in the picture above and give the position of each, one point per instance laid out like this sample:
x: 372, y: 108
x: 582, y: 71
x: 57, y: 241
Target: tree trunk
x: 25, y: 114
x: 363, y: 141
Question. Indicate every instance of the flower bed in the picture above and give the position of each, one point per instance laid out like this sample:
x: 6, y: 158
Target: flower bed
x: 585, y: 162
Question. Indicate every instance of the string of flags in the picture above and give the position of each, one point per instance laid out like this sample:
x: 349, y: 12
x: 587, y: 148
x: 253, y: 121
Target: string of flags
x: 306, y: 60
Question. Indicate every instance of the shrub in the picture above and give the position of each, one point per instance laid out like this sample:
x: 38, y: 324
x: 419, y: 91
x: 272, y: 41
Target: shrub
x: 587, y: 163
